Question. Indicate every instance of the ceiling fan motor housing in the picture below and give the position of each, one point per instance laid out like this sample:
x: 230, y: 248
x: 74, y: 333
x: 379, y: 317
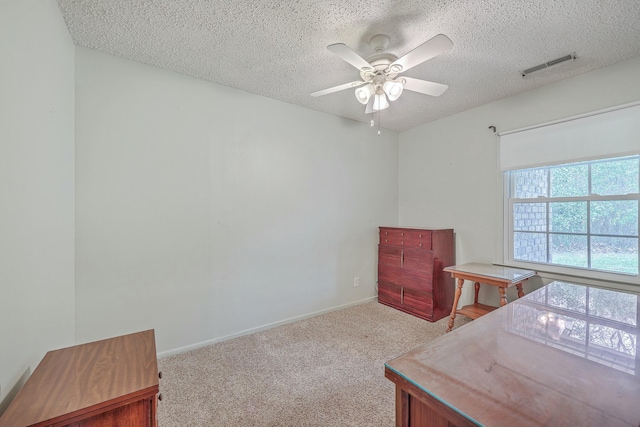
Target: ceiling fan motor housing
x: 380, y: 67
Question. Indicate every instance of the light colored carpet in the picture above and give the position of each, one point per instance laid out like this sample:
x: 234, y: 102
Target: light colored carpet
x: 324, y: 371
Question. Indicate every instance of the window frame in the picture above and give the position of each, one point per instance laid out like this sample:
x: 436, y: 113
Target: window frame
x: 584, y: 272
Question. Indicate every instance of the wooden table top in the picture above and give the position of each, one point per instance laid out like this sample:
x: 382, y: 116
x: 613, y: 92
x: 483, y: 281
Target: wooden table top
x: 491, y: 272
x: 77, y: 379
x: 564, y: 355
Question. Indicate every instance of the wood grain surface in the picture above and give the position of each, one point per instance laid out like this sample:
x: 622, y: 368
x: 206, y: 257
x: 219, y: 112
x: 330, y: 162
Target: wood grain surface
x: 410, y: 276
x: 86, y: 380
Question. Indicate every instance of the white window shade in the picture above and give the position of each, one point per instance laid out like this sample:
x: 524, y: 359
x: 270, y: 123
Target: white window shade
x: 602, y: 134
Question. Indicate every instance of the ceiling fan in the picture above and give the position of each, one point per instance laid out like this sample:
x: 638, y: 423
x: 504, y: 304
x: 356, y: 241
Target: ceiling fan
x: 380, y: 73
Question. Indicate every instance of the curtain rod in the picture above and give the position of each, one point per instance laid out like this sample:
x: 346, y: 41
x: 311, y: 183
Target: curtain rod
x: 568, y: 119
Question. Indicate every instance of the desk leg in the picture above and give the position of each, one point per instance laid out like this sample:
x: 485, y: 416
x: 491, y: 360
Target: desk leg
x: 520, y: 291
x: 503, y: 296
x: 402, y: 407
x: 455, y: 304
x: 477, y: 285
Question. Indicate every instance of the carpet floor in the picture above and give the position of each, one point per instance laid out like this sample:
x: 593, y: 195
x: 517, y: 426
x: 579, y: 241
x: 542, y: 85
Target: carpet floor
x: 325, y: 371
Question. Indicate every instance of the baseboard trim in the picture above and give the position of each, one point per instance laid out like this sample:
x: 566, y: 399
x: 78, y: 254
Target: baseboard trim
x: 201, y: 344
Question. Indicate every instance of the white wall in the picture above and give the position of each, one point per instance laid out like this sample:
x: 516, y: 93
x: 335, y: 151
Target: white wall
x: 203, y: 211
x: 448, y: 168
x: 36, y: 187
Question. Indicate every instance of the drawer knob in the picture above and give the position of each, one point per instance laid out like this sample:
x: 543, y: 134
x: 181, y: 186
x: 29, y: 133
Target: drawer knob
x: 420, y: 244
x: 402, y: 243
x: 402, y: 234
x: 419, y: 235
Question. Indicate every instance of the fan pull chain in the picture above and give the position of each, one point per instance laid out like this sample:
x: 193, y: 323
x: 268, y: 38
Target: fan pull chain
x: 373, y: 122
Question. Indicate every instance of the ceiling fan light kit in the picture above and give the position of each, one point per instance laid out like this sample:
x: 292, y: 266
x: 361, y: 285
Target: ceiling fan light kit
x: 393, y: 89
x: 379, y: 72
x: 380, y: 102
x: 390, y: 90
x: 363, y: 93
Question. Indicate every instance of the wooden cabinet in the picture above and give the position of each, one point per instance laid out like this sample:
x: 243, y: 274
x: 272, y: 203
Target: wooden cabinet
x: 113, y: 382
x: 410, y: 276
x: 415, y: 408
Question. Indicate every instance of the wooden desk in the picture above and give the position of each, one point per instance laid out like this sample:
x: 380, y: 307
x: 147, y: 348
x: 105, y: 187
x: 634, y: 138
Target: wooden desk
x: 563, y: 355
x: 113, y: 382
x: 502, y: 277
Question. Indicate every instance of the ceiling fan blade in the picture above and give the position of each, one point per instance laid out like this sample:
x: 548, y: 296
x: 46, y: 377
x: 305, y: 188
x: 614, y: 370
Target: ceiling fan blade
x: 369, y: 108
x: 433, y: 47
x: 423, y: 86
x: 345, y: 52
x: 338, y: 88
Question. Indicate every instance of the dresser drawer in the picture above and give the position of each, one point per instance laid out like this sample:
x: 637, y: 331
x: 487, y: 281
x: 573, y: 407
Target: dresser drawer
x: 389, y: 293
x: 419, y: 302
x: 406, y: 298
x: 417, y: 259
x: 415, y: 279
x: 409, y: 258
x: 390, y: 255
x: 390, y: 274
x: 405, y: 237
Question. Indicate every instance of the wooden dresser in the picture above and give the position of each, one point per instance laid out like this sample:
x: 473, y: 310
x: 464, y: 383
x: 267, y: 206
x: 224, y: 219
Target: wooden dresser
x: 113, y: 382
x: 410, y: 276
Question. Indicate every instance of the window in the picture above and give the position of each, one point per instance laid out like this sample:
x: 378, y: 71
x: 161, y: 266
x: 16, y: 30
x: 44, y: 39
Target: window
x: 571, y: 195
x: 579, y: 215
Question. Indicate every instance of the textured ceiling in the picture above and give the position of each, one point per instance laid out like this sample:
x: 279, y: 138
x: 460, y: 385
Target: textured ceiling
x: 278, y: 48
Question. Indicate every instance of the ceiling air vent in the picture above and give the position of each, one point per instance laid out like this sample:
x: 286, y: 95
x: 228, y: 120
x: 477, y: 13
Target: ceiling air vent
x: 548, y: 64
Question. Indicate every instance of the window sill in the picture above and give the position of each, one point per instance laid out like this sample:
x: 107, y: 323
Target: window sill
x: 629, y: 282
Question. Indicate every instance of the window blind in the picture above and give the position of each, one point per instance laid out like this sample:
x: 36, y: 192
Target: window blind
x: 610, y: 133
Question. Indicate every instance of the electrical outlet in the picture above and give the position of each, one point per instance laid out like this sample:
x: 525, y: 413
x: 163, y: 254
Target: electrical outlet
x: 356, y: 282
